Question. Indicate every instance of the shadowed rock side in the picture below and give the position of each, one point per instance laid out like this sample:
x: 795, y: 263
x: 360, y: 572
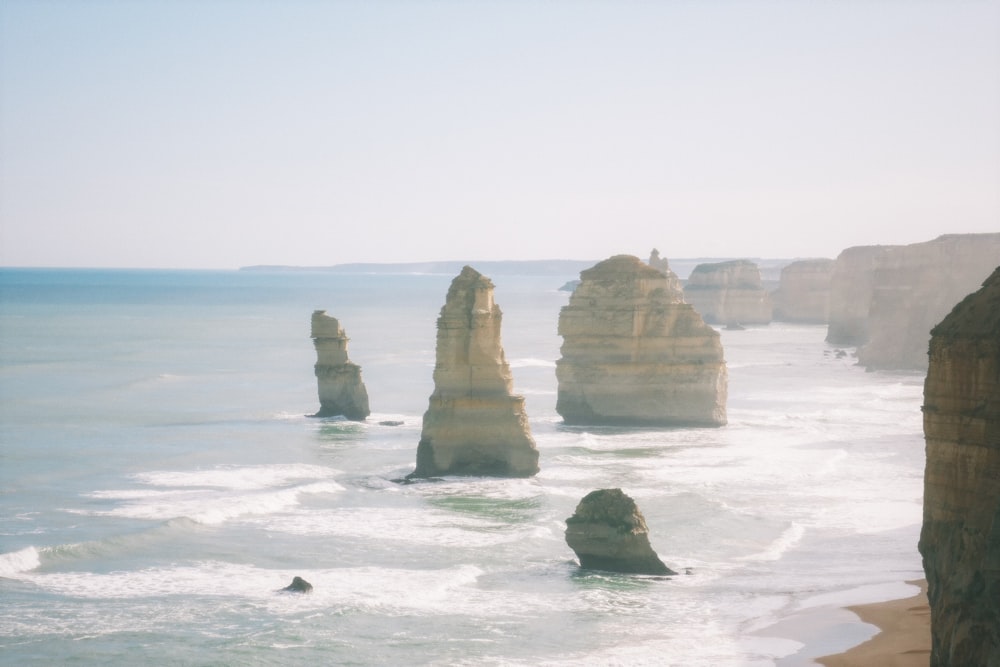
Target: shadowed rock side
x: 473, y: 425
x: 729, y: 293
x: 960, y: 538
x: 803, y: 294
x: 634, y: 353
x: 608, y: 532
x: 885, y: 299
x: 341, y: 390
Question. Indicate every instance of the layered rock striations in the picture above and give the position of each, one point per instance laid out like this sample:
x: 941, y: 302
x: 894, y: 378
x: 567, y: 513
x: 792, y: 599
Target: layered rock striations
x: 885, y: 299
x: 341, y: 390
x: 960, y: 538
x: 803, y: 293
x: 634, y: 353
x: 608, y: 532
x: 474, y: 425
x: 729, y: 293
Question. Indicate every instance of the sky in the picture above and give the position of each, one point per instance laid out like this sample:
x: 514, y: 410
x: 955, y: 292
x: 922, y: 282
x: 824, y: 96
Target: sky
x: 227, y: 133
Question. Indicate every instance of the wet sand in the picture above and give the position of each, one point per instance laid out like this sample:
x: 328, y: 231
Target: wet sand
x: 904, y: 638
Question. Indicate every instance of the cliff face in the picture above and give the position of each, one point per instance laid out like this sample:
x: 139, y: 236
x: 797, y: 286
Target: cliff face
x: 341, y: 390
x: 608, y: 532
x: 914, y: 286
x: 473, y: 424
x: 803, y: 294
x: 729, y: 293
x: 851, y: 288
x: 634, y: 353
x: 960, y: 538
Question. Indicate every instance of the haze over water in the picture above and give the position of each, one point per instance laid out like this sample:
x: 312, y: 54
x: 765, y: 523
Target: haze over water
x: 159, y: 481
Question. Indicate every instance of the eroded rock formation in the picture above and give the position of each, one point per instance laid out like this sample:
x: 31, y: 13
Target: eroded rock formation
x: 608, y: 532
x: 885, y: 299
x: 803, y: 294
x: 474, y: 425
x: 341, y: 390
x: 657, y: 262
x: 960, y: 538
x: 634, y: 353
x: 729, y: 293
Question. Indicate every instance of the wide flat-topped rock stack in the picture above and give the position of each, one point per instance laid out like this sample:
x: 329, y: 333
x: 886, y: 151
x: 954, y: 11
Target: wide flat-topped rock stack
x: 729, y: 293
x: 474, y: 425
x: 634, y: 353
x: 341, y: 390
x: 960, y: 537
x: 803, y: 293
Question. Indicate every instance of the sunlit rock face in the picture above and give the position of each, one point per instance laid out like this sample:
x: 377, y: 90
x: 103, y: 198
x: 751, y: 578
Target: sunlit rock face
x: 634, y: 353
x: 341, y: 390
x: 474, y: 425
x: 608, y: 532
x: 803, y: 294
x: 960, y: 538
x: 729, y: 293
x: 851, y: 289
x: 885, y: 299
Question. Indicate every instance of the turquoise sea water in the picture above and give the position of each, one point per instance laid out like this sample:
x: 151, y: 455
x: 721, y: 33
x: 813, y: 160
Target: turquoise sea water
x: 159, y: 481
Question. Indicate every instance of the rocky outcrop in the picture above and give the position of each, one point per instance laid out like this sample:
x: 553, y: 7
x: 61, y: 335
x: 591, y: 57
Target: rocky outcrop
x: 657, y: 262
x: 634, y: 353
x: 474, y: 425
x: 960, y: 538
x: 803, y: 293
x: 608, y: 532
x: 341, y: 390
x: 729, y: 293
x: 298, y: 585
x: 885, y: 299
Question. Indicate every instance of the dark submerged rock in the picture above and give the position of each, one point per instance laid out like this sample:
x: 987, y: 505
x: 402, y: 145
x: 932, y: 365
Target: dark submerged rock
x: 298, y: 585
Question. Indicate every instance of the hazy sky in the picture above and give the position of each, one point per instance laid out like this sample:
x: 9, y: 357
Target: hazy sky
x: 219, y: 133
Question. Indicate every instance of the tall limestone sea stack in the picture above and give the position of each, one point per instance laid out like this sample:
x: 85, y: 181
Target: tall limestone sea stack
x: 960, y: 538
x: 729, y: 293
x: 803, y: 294
x: 634, y: 353
x: 474, y: 425
x: 341, y: 390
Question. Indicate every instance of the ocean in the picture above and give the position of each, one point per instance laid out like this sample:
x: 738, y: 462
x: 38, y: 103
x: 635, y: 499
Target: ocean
x: 160, y: 481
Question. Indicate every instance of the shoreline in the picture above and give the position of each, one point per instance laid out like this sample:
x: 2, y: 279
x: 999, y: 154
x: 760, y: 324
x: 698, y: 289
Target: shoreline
x: 904, y: 637
x: 875, y: 624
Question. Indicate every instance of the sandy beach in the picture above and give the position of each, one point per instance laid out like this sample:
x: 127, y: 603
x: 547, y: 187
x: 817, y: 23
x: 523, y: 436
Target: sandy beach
x: 903, y: 640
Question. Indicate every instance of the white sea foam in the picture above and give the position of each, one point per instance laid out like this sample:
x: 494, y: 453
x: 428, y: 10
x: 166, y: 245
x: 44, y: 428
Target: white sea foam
x: 532, y: 363
x: 206, y: 506
x: 774, y: 551
x: 14, y: 562
x: 237, y: 478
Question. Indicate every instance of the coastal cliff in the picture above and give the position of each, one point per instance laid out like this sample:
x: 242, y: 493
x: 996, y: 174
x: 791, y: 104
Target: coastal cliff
x: 474, y: 425
x: 803, y: 294
x: 885, y: 299
x: 960, y: 537
x: 341, y: 390
x: 729, y: 293
x: 635, y: 353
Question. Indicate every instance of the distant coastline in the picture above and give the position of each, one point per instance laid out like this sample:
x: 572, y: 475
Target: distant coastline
x: 770, y: 268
